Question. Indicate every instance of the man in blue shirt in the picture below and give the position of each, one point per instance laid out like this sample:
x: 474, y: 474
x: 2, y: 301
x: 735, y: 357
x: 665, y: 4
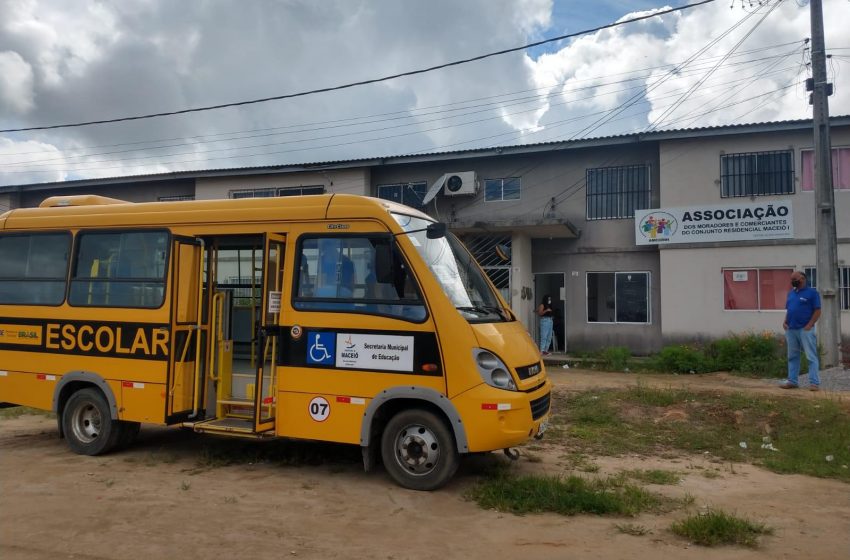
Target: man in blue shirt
x: 802, y: 310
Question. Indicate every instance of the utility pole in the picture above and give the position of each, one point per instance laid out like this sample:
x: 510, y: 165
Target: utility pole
x: 829, y: 325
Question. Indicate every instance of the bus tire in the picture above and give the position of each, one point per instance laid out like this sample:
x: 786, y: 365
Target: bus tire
x: 88, y: 424
x: 418, y: 450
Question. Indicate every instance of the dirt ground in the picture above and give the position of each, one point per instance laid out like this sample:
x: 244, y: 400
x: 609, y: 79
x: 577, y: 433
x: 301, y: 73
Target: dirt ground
x: 152, y: 501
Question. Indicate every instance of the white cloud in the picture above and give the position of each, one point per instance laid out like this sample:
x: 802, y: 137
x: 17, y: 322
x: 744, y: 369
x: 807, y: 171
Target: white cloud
x: 16, y: 83
x: 99, y: 59
x: 737, y: 92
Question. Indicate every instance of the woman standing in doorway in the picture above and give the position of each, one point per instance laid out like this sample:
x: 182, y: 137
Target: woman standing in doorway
x: 546, y: 314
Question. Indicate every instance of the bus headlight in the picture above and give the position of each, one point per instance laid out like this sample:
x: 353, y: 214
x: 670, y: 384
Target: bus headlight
x: 493, y: 371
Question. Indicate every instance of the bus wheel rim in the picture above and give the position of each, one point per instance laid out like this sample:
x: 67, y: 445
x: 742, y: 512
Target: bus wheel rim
x: 86, y: 423
x: 417, y: 449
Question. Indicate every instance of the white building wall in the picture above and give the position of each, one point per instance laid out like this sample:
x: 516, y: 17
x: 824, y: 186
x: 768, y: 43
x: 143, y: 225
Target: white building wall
x: 692, y: 289
x: 350, y: 181
x: 690, y: 174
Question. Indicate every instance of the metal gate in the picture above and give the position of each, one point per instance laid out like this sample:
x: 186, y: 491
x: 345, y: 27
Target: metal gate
x: 483, y: 248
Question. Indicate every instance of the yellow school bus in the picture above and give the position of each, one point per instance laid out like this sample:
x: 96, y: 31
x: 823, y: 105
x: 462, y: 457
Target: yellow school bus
x: 333, y: 317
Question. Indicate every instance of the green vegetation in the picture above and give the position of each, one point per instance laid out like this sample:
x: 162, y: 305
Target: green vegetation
x: 616, y: 358
x: 567, y: 496
x: 653, y: 476
x: 16, y: 411
x: 747, y: 354
x: 717, y: 527
x: 785, y: 435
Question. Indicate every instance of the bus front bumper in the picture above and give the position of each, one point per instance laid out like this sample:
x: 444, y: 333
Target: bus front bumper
x: 498, y: 419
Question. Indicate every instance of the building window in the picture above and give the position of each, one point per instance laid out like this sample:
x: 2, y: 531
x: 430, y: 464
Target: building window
x: 176, y: 198
x: 757, y: 174
x: 618, y: 297
x: 301, y: 191
x: 616, y: 192
x: 273, y: 192
x: 756, y: 289
x: 358, y: 275
x: 501, y: 189
x: 840, y: 169
x: 120, y: 269
x: 34, y: 268
x: 843, y: 284
x: 409, y: 194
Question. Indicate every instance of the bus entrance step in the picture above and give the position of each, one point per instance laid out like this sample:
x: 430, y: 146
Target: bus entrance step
x: 236, y: 427
x: 237, y: 402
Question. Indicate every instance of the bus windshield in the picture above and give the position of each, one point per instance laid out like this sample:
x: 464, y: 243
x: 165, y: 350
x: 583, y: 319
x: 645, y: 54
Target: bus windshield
x: 457, y: 272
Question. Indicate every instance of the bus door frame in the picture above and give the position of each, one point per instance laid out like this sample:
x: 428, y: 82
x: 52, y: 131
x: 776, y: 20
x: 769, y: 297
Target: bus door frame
x: 194, y: 328
x: 268, y: 332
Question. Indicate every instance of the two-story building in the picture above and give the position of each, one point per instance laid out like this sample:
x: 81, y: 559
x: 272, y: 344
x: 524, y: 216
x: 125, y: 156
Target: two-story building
x: 559, y: 218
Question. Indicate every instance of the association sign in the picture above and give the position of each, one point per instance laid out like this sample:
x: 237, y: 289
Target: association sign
x: 704, y: 224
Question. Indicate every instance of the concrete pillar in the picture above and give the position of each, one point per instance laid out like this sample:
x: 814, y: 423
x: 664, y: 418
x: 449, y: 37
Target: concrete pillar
x: 522, y: 279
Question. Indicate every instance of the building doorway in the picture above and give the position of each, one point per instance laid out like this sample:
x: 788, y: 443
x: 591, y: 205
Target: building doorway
x: 552, y: 284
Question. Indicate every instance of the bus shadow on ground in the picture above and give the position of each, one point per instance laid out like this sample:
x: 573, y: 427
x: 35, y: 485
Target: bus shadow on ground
x: 158, y: 445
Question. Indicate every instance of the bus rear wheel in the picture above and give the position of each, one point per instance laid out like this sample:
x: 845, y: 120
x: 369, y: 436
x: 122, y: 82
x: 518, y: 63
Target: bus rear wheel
x: 88, y: 424
x: 418, y: 450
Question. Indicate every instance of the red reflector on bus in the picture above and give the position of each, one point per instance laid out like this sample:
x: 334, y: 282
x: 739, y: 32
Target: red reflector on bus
x: 268, y: 400
x: 343, y: 399
x: 489, y: 406
x: 430, y: 367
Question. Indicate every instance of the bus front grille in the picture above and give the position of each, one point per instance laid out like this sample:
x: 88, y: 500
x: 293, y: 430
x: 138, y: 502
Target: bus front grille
x: 539, y: 407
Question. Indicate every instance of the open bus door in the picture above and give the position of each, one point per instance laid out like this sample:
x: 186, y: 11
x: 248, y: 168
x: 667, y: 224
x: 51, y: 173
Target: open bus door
x: 187, y: 331
x: 265, y: 396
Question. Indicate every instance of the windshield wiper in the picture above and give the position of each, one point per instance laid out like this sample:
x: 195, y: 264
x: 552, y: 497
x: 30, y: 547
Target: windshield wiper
x: 485, y: 310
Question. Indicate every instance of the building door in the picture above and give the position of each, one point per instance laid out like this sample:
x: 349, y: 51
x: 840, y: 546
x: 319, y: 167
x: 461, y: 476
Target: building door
x: 265, y: 392
x: 552, y: 284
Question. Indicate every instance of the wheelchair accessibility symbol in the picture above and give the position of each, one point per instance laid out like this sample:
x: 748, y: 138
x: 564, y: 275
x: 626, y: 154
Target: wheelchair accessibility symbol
x: 321, y: 348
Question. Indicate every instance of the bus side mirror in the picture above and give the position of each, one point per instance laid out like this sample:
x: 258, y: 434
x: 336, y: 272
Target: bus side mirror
x: 435, y: 230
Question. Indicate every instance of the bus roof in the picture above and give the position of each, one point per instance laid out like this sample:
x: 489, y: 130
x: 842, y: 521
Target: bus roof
x: 95, y: 211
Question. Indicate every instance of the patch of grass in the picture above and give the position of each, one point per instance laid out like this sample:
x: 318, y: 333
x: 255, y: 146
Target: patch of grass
x: 566, y: 496
x: 17, y: 411
x: 642, y: 420
x: 632, y: 529
x: 717, y: 527
x: 230, y: 499
x: 615, y: 358
x: 532, y: 457
x: 580, y: 462
x: 185, y: 485
x: 653, y: 476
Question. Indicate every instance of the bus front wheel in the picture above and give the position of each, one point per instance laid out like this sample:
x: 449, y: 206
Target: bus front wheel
x: 418, y: 450
x: 88, y: 424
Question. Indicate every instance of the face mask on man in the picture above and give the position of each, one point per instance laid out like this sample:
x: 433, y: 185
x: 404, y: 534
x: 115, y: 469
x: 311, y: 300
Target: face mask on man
x: 795, y: 283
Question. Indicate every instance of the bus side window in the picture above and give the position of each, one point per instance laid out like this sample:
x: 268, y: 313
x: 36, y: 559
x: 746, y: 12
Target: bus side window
x: 356, y: 274
x: 34, y: 268
x: 124, y: 269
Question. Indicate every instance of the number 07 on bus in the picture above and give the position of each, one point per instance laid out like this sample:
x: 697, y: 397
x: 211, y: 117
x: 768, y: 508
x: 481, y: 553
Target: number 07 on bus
x: 333, y: 318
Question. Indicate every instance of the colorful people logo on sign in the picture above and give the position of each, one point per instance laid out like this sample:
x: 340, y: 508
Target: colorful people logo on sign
x: 658, y: 225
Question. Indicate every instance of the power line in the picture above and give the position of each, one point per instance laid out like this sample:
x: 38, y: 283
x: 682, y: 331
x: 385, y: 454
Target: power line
x: 660, y: 119
x: 549, y: 126
x: 370, y: 81
x: 63, y: 160
x: 409, y: 113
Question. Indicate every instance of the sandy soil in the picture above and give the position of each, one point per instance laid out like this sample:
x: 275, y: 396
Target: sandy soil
x: 151, y: 501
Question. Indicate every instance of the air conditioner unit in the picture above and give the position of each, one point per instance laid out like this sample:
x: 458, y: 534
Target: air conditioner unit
x: 463, y: 183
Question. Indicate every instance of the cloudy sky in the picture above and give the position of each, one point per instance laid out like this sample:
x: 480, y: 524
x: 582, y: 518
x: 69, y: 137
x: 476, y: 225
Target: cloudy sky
x: 66, y: 61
